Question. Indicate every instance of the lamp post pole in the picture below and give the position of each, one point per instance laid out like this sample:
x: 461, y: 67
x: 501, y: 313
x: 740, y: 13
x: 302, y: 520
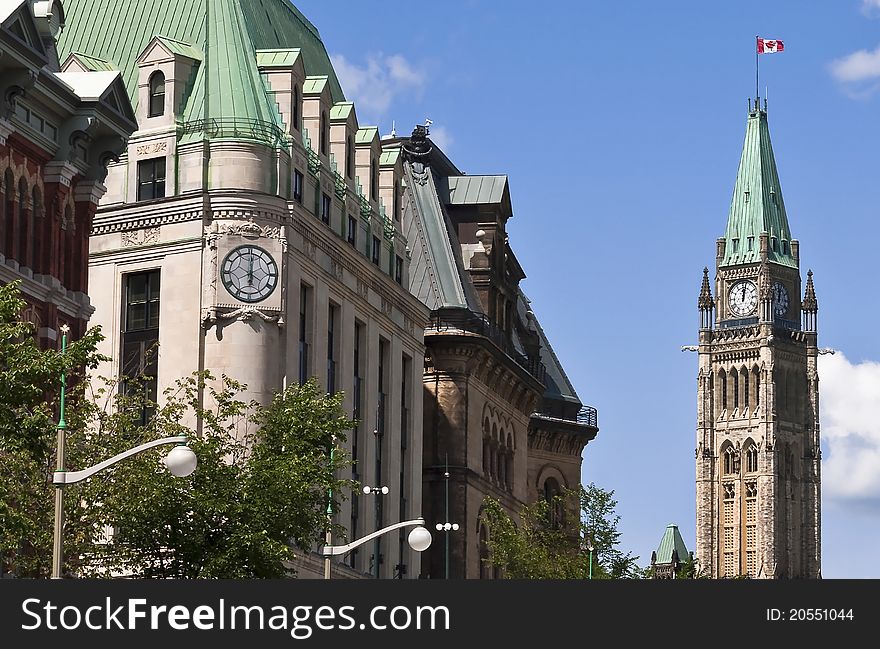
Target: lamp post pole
x: 181, y: 461
x: 590, y: 548
x: 446, y: 526
x: 328, y: 537
x: 61, y: 449
x: 419, y: 538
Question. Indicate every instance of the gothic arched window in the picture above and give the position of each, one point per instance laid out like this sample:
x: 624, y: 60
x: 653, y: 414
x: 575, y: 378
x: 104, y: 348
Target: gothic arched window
x: 730, y: 463
x: 751, y: 459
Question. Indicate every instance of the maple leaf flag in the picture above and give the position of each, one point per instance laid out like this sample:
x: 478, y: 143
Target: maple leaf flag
x: 767, y: 46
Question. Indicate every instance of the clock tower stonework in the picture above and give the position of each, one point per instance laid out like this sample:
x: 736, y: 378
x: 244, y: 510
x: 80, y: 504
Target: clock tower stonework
x: 758, y: 508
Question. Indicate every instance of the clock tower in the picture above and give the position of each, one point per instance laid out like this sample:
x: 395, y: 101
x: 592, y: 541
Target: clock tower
x: 757, y: 453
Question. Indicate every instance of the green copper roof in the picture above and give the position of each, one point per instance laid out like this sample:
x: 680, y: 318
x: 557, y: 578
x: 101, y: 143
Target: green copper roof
x: 389, y: 157
x: 341, y: 111
x: 671, y: 541
x: 181, y: 48
x: 475, y: 190
x: 277, y: 58
x: 314, y: 85
x: 757, y: 204
x: 366, y: 135
x: 94, y: 64
x: 119, y: 31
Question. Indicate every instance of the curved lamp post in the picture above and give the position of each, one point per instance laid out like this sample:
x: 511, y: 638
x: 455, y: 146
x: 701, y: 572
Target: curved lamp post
x: 419, y: 539
x: 180, y: 461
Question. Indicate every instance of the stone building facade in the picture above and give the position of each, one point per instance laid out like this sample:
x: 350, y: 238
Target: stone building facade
x: 253, y: 227
x: 58, y: 132
x: 501, y: 418
x: 757, y: 457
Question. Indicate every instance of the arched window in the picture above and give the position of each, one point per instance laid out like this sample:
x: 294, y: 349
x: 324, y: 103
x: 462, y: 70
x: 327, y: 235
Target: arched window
x: 722, y: 385
x: 295, y: 116
x: 35, y: 230
x: 744, y: 377
x: 374, y: 180
x: 735, y: 393
x: 751, y: 458
x: 157, y: 95
x: 554, y: 506
x: 349, y: 158
x: 8, y: 211
x: 756, y: 375
x: 730, y: 464
x: 325, y: 132
x: 21, y: 250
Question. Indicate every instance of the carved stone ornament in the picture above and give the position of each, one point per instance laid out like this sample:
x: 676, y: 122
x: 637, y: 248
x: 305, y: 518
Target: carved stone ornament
x: 152, y: 147
x: 145, y: 237
x: 244, y: 314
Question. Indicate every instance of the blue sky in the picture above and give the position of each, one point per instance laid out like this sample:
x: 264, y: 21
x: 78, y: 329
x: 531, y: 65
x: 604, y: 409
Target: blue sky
x: 620, y: 126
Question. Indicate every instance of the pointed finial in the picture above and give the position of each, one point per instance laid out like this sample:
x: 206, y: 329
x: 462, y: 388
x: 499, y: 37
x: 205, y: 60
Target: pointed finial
x: 811, y: 304
x: 705, y: 301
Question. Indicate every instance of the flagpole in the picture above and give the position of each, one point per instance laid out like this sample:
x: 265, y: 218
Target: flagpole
x: 757, y: 85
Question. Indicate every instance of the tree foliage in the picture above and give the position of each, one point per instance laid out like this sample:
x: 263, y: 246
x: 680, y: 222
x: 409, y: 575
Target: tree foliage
x: 260, y: 490
x: 261, y: 486
x: 30, y: 386
x: 535, y: 545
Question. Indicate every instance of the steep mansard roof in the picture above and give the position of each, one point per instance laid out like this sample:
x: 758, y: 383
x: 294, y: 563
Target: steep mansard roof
x: 228, y: 33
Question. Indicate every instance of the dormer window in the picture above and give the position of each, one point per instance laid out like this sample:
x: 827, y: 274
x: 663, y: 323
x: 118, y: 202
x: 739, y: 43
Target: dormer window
x: 775, y: 244
x: 735, y: 245
x: 157, y: 95
x: 751, y: 241
x: 785, y: 247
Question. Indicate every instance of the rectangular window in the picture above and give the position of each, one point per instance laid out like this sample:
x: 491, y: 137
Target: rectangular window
x: 377, y: 250
x: 332, y: 321
x: 139, y: 364
x: 325, y: 208
x: 406, y: 366
x: 357, y: 413
x: 398, y: 269
x: 297, y: 186
x: 382, y: 396
x: 305, y: 333
x: 751, y: 242
x: 352, y: 230
x: 735, y: 245
x: 151, y: 179
x: 785, y: 247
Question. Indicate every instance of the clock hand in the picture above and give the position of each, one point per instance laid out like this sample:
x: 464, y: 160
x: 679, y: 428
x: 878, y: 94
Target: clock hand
x: 251, y: 269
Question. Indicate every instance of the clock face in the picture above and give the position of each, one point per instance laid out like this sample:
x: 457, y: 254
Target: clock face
x: 743, y: 298
x: 780, y: 299
x: 249, y: 273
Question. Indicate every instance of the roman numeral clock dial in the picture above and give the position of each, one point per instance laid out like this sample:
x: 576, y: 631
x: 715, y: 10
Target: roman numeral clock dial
x: 249, y: 274
x: 742, y: 299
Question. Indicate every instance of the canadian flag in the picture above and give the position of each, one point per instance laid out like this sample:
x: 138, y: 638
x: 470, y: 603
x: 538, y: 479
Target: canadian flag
x: 766, y: 46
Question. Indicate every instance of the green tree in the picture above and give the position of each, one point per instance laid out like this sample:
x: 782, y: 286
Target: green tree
x: 260, y: 490
x: 30, y: 383
x: 538, y: 546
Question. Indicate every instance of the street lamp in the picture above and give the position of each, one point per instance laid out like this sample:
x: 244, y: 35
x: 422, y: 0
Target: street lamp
x: 447, y: 526
x: 180, y: 461
x: 590, y: 548
x: 377, y: 491
x: 419, y: 540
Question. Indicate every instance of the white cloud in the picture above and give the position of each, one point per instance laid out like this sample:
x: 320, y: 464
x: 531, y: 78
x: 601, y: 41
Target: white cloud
x: 871, y: 7
x: 373, y: 86
x: 858, y: 66
x: 441, y: 137
x: 849, y: 406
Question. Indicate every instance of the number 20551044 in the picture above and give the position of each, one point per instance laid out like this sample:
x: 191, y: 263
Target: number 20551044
x: 809, y: 614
